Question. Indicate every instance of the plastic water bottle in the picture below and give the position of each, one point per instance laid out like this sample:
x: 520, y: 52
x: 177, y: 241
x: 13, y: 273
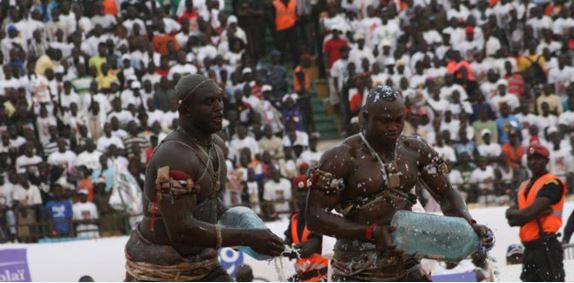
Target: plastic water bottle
x: 244, y: 218
x: 434, y: 236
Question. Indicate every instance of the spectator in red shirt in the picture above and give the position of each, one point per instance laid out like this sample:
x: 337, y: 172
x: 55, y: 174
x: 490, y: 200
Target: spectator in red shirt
x: 190, y: 13
x: 515, y: 80
x: 149, y: 151
x: 333, y: 47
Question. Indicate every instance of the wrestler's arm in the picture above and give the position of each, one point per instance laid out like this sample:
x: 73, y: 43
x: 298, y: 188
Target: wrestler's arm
x: 437, y: 183
x: 221, y: 207
x: 184, y: 229
x: 439, y: 187
x: 311, y: 246
x: 317, y: 212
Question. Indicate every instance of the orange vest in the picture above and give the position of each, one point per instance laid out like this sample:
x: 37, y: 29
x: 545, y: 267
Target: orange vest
x: 314, y: 262
x: 284, y: 16
x: 551, y: 222
x: 296, y: 83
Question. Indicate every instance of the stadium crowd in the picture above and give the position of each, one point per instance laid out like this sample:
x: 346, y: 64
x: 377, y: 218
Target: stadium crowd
x: 86, y: 90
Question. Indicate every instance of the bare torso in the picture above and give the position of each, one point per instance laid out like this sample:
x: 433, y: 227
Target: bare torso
x: 208, y: 205
x: 365, y: 180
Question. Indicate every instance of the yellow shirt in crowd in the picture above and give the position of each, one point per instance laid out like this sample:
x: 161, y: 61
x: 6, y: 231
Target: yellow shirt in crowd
x: 105, y: 82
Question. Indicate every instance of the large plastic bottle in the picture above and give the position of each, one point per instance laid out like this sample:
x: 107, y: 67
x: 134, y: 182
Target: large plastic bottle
x: 434, y: 236
x: 245, y: 218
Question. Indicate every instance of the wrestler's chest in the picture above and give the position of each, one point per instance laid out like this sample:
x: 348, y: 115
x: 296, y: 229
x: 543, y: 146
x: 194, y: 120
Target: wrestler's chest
x: 209, y: 186
x: 209, y: 182
x: 368, y: 178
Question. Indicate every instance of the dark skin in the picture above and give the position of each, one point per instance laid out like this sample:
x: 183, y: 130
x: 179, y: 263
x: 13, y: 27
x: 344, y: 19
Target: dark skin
x: 518, y: 217
x: 188, y: 223
x: 382, y: 124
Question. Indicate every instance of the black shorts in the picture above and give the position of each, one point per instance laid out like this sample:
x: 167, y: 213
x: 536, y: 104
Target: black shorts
x: 543, y: 261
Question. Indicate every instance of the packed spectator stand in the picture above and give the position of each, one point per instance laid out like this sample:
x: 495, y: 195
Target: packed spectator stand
x: 87, y: 92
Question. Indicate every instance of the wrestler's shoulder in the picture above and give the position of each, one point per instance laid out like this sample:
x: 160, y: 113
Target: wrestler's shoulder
x: 173, y: 147
x: 218, y: 141
x: 347, y: 147
x: 350, y: 144
x: 414, y: 142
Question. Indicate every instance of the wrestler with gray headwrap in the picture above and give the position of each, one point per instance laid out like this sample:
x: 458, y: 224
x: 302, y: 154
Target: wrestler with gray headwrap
x: 178, y: 237
x: 367, y: 178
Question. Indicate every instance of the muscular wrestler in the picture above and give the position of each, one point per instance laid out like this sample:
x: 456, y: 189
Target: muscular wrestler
x: 178, y: 237
x: 366, y: 179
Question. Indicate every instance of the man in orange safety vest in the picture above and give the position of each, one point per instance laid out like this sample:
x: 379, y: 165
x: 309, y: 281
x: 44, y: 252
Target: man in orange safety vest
x: 539, y: 215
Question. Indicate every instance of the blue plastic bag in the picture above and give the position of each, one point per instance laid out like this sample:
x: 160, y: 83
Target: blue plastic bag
x: 244, y: 218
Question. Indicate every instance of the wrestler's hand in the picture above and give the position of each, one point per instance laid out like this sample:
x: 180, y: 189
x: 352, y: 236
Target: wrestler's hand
x: 309, y: 247
x: 486, y: 237
x: 383, y: 240
x: 265, y: 242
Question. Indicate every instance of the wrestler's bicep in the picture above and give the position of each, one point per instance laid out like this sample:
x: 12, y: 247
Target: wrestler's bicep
x: 327, y: 180
x: 319, y: 200
x: 175, y: 189
x: 433, y: 170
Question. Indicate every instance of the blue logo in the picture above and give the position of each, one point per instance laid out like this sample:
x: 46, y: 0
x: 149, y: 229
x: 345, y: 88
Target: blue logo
x: 230, y: 260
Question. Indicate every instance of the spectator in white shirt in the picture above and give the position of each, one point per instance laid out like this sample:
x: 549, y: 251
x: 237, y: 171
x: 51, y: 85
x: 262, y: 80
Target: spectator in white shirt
x: 85, y: 216
x: 89, y: 157
x: 28, y: 199
x: 360, y: 51
x: 63, y: 157
x: 278, y: 191
x: 6, y: 201
x: 338, y: 72
x: 243, y: 141
x: 134, y: 95
x: 471, y: 45
x: 539, y: 21
x: 446, y: 152
x: 311, y: 156
x: 502, y: 96
x: 131, y: 20
x: 68, y: 96
x: 450, y: 124
x: 483, y: 178
x: 271, y: 143
x: 107, y: 139
x: 116, y: 129
x: 562, y: 75
x: 123, y: 116
x: 459, y: 107
x: 560, y: 153
x: 488, y: 150
x: 29, y: 161
x: 182, y: 67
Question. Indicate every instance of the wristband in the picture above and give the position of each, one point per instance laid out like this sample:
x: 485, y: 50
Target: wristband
x: 370, y: 231
x: 471, y: 222
x: 218, y: 236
